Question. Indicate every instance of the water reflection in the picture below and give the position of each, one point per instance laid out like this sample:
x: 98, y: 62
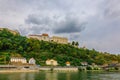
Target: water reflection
x: 58, y: 76
x: 51, y: 76
x: 61, y: 76
x: 68, y: 76
x: 17, y: 76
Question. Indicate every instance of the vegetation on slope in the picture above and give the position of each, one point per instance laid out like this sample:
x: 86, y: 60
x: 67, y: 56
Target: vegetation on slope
x: 14, y: 45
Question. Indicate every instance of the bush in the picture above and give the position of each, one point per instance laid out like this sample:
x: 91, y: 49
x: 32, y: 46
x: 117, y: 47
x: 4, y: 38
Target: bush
x: 116, y: 68
x: 89, y: 68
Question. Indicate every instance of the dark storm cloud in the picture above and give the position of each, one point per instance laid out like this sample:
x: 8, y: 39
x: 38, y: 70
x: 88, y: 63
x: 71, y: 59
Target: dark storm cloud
x: 70, y: 24
x: 70, y: 27
x: 37, y: 20
x: 67, y: 25
x: 38, y: 23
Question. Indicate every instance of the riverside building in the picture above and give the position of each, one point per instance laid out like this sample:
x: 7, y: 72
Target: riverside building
x: 51, y: 62
x: 18, y: 60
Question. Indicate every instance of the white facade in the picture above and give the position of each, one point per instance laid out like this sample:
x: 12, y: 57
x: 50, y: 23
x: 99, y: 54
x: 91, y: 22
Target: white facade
x: 51, y: 62
x: 16, y: 60
x: 58, y: 39
x: 67, y: 63
x: 84, y: 63
x: 32, y: 61
x: 44, y: 37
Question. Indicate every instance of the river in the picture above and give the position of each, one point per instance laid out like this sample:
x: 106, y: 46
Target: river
x: 60, y: 76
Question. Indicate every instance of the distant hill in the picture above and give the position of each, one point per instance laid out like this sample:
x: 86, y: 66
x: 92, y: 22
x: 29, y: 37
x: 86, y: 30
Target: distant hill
x: 15, y: 32
x: 17, y: 45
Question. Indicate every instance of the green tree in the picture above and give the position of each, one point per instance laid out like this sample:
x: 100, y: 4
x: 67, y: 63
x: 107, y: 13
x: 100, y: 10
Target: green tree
x: 0, y: 44
x: 76, y: 44
x: 73, y: 43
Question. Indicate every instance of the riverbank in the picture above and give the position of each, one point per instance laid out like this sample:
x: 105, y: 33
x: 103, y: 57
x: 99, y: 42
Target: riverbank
x: 31, y: 68
x: 55, y: 70
x: 59, y: 69
x: 14, y: 70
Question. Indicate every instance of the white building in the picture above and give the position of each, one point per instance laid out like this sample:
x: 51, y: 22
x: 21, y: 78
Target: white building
x: 44, y: 37
x: 84, y: 63
x: 61, y: 40
x: 67, y: 63
x: 51, y: 62
x: 32, y: 61
x: 18, y: 60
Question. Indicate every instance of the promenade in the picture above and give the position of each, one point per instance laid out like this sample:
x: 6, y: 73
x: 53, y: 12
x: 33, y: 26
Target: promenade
x: 58, y: 68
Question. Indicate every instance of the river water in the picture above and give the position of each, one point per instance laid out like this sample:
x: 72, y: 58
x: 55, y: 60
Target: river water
x: 60, y: 76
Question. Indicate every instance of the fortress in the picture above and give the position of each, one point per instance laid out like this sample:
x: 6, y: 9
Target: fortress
x: 45, y: 37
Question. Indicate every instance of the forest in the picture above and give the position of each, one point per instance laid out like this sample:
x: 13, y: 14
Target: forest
x: 12, y: 45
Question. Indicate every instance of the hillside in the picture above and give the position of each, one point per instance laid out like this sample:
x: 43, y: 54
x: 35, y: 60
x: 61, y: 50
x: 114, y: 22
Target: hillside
x: 17, y: 45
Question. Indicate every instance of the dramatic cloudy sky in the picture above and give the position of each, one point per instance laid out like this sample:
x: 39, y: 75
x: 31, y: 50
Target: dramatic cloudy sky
x: 93, y: 23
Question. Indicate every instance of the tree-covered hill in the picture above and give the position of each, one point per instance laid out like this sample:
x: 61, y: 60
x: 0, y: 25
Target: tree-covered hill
x: 17, y: 45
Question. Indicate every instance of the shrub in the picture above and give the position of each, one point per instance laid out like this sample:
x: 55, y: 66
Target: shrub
x: 89, y: 68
